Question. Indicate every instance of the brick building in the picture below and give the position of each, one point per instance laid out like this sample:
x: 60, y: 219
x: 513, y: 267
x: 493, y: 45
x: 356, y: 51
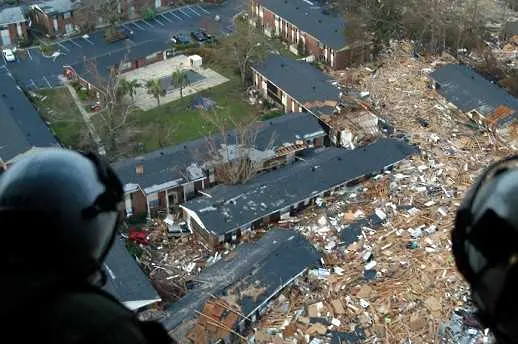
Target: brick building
x: 296, y: 85
x: 162, y: 179
x: 482, y: 101
x: 58, y: 17
x: 121, y: 60
x: 13, y: 25
x: 322, y: 35
x: 229, y: 212
x: 64, y: 16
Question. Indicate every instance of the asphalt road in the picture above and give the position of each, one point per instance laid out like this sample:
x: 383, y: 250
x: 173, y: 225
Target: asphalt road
x: 38, y: 71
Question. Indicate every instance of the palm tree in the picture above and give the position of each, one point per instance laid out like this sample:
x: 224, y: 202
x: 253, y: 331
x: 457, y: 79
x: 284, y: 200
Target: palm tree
x: 129, y: 87
x: 180, y: 80
x: 155, y: 89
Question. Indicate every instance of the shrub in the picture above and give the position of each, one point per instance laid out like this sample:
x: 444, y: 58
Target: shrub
x: 25, y: 42
x: 148, y: 13
x: 47, y: 49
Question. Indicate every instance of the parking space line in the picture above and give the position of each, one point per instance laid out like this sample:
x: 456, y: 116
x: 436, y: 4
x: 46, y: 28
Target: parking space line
x: 140, y: 27
x: 75, y: 43
x: 89, y: 41
x: 47, y: 81
x: 202, y: 9
x: 164, y: 17
x: 62, y: 46
x: 29, y: 54
x: 33, y: 83
x: 188, y: 16
x: 158, y: 21
x: 190, y: 8
x: 172, y: 13
x: 145, y: 22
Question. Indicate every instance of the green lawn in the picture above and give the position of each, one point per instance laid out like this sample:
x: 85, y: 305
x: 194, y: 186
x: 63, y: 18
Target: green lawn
x: 59, y: 110
x: 184, y: 123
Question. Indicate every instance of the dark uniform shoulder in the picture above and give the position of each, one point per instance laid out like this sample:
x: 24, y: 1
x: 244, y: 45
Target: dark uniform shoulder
x: 87, y: 317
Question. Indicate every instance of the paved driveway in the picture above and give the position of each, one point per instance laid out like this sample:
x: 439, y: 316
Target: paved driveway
x: 38, y: 71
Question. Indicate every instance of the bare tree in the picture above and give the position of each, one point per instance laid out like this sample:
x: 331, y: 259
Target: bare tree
x: 434, y: 25
x: 109, y: 11
x: 244, y: 48
x: 232, y: 145
x: 114, y: 122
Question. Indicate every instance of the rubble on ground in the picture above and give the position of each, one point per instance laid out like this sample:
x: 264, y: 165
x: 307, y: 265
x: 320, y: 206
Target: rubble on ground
x: 389, y: 274
x: 173, y: 263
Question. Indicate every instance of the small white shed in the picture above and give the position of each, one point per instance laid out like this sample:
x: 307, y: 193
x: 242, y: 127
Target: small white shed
x: 195, y: 61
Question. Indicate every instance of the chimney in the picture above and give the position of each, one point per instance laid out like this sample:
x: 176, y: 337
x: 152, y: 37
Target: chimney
x: 139, y: 169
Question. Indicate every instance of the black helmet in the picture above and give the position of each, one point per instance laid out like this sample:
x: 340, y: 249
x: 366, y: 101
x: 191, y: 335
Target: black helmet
x: 485, y: 246
x: 58, y: 208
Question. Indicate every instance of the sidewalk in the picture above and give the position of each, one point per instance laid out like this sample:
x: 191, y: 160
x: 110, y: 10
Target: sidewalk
x: 86, y: 117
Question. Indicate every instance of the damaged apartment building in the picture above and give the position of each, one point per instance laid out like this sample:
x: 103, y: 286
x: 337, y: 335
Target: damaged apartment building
x: 160, y: 180
x: 227, y: 212
x: 297, y: 86
x: 241, y: 288
x: 484, y: 102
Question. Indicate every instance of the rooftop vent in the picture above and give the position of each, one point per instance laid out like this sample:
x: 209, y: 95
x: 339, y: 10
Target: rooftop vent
x: 297, y: 7
x: 139, y: 169
x: 3, y: 95
x: 285, y: 1
x: 11, y: 108
x: 320, y: 20
x: 314, y: 87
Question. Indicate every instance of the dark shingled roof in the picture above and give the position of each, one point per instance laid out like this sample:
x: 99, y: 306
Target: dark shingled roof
x: 299, y: 79
x: 468, y: 90
x: 271, y: 262
x: 287, y: 129
x: 234, y: 206
x: 12, y: 15
x: 126, y: 281
x: 161, y: 166
x: 104, y: 62
x: 59, y: 6
x: 164, y: 165
x: 328, y: 29
x: 21, y: 127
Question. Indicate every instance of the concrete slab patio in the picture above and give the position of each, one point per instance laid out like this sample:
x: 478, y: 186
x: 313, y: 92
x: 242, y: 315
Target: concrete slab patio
x: 206, y: 78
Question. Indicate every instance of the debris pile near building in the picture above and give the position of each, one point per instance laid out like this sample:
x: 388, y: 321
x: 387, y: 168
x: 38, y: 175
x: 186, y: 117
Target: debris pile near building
x: 389, y: 274
x: 173, y: 262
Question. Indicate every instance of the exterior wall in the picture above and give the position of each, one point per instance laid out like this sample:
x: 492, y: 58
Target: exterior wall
x: 139, y: 203
x: 341, y: 58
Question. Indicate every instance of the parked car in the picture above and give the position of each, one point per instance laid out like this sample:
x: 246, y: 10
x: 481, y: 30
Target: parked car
x: 199, y: 36
x: 180, y: 38
x: 9, y: 55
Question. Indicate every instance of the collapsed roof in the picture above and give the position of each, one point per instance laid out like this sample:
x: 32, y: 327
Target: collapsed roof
x: 267, y: 264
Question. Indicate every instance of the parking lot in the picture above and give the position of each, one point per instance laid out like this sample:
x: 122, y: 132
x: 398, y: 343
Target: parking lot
x: 36, y: 71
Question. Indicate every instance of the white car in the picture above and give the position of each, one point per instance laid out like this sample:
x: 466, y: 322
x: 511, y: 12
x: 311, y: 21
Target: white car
x: 8, y: 55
